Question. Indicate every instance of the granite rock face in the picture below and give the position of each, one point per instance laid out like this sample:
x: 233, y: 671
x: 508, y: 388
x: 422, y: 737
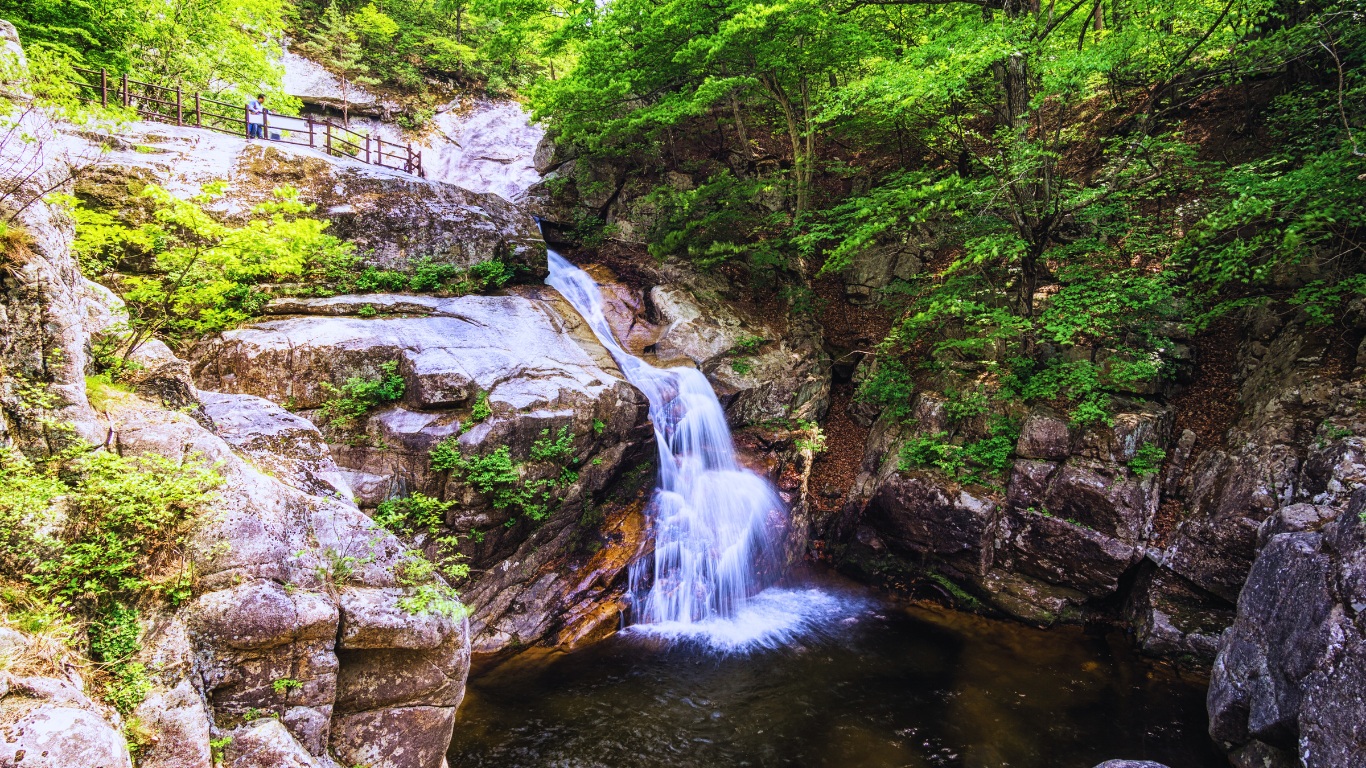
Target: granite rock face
x: 394, y: 218
x: 542, y: 378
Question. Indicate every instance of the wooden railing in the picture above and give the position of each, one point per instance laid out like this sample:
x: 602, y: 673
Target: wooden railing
x: 172, y: 105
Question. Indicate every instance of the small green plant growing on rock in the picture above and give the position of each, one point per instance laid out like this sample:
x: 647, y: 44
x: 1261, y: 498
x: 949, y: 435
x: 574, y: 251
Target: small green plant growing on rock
x: 557, y: 448
x: 359, y: 395
x: 430, y: 595
x: 1147, y: 460
x: 481, y: 409
x: 120, y: 542
x: 286, y: 684
x: 217, y: 747
x: 814, y: 441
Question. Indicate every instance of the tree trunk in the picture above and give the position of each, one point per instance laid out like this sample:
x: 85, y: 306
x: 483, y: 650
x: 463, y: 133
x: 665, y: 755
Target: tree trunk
x: 741, y: 131
x: 794, y: 135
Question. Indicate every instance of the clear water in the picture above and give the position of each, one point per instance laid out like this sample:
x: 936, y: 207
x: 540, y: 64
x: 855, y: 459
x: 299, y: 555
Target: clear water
x: 867, y: 684
x: 715, y: 525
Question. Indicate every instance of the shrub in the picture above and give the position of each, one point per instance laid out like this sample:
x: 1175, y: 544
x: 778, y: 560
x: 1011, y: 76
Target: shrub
x: 481, y: 409
x: 1147, y: 460
x: 359, y: 395
x: 889, y: 387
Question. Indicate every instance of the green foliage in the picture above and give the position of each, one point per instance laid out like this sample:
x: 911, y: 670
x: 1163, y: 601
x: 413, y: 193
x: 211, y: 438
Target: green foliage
x: 1147, y: 460
x: 889, y: 387
x: 495, y: 475
x: 973, y: 461
x: 412, y: 514
x: 558, y: 447
x: 481, y: 409
x: 334, y: 41
x: 501, y: 478
x: 284, y: 685
x: 125, y: 518
x: 223, y: 47
x: 814, y: 441
x: 359, y: 395
x: 206, y: 275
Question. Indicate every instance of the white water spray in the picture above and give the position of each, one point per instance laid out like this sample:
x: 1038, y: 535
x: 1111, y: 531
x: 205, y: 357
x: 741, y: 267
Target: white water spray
x: 716, y: 524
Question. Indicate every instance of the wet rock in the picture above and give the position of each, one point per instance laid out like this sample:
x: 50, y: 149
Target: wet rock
x: 761, y: 370
x: 1130, y: 764
x: 1174, y: 619
x: 1031, y: 600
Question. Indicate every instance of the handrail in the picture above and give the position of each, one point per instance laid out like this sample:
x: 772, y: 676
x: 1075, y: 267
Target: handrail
x: 306, y: 131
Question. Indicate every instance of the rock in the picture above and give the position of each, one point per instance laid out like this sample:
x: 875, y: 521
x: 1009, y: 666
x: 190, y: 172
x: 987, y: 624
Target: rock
x: 394, y: 217
x: 541, y: 373
x: 761, y: 369
x: 1173, y: 618
x: 874, y: 268
x: 286, y: 445
x: 1044, y: 435
x: 1103, y: 497
x: 1130, y: 764
x: 265, y: 743
x: 402, y: 737
x: 51, y: 735
x: 371, y: 618
x: 397, y: 216
x: 1291, y: 671
x: 317, y: 87
x: 1064, y: 553
x: 1031, y: 600
x: 913, y: 512
x: 182, y: 729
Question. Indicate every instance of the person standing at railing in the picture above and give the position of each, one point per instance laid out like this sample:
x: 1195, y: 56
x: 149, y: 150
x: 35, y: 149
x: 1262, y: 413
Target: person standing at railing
x: 256, y: 117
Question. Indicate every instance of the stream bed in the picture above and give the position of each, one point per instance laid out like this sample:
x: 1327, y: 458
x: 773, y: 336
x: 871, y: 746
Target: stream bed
x: 867, y: 683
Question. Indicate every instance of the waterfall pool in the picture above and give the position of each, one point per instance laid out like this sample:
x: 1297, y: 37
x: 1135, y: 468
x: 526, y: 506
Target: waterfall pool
x: 866, y: 683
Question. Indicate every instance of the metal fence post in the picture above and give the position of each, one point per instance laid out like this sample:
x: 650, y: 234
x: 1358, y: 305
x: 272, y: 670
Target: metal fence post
x: 265, y: 124
x: 327, y: 128
x: 104, y: 87
x: 125, y: 89
x: 309, y: 118
x: 246, y: 120
x: 198, y: 111
x: 179, y: 107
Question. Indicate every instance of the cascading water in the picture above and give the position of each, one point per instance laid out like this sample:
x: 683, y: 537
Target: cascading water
x: 716, y: 524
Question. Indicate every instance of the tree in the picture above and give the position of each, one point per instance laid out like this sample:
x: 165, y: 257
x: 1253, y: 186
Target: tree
x: 336, y: 45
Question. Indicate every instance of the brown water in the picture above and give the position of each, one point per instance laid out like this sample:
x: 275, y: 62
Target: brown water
x: 878, y: 685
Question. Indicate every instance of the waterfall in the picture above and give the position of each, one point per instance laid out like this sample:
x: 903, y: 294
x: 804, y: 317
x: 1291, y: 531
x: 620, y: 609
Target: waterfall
x: 715, y: 524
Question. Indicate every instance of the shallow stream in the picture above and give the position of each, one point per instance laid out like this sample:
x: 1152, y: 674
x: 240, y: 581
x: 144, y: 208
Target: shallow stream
x: 860, y: 682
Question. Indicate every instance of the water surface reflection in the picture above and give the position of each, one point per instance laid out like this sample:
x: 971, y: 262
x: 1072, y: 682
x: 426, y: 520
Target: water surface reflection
x: 881, y: 685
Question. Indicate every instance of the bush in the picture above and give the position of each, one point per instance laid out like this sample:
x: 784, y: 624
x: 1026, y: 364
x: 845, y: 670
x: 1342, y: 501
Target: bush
x: 126, y: 519
x: 1147, y: 460
x: 359, y: 395
x: 890, y: 388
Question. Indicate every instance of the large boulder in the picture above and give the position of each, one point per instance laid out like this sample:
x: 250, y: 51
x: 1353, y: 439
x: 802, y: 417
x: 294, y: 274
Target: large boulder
x: 1291, y: 671
x: 526, y: 358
